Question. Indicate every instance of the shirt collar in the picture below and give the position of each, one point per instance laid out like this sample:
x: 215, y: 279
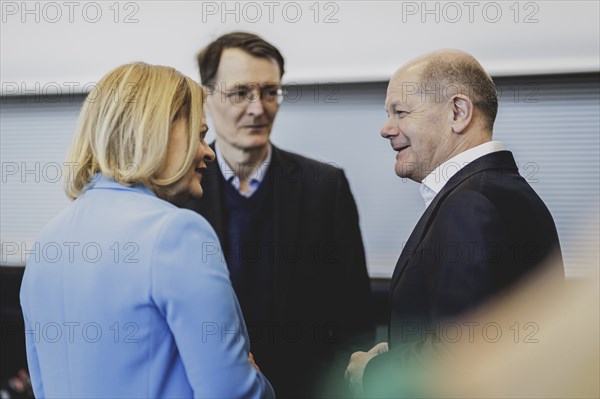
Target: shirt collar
x: 433, y: 183
x: 232, y: 178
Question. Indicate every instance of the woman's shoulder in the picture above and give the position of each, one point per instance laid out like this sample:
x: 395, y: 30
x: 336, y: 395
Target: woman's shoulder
x: 133, y: 206
x: 124, y: 215
x: 185, y: 219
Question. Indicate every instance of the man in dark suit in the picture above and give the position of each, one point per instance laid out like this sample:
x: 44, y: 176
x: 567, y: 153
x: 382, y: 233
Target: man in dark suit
x: 288, y: 225
x: 484, y: 227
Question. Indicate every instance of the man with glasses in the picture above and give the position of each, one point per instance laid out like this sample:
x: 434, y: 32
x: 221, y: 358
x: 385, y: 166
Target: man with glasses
x: 288, y: 225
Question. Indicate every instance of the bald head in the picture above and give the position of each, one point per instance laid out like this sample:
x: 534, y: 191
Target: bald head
x: 445, y: 73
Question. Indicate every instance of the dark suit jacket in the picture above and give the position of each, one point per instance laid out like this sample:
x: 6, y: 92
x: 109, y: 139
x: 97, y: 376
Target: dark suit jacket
x: 322, y: 295
x: 484, y: 230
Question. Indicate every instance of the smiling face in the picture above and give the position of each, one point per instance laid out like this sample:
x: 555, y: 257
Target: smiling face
x: 418, y: 127
x: 189, y: 185
x: 245, y: 124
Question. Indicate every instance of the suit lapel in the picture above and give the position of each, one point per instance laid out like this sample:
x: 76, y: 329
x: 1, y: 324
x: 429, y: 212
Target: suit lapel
x: 287, y: 190
x: 497, y: 161
x: 414, y: 240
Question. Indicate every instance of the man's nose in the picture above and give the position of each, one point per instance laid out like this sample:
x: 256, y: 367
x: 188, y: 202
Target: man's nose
x: 255, y: 107
x: 388, y: 130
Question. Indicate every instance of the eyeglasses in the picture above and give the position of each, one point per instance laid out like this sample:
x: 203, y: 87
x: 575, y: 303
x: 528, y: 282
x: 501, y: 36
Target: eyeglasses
x: 243, y: 94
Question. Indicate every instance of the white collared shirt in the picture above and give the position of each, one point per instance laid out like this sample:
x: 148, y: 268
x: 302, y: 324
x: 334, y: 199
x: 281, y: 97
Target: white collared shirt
x: 433, y: 183
x: 230, y: 175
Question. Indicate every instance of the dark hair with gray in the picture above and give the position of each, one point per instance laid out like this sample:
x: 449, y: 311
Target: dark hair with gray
x: 210, y: 56
x: 463, y: 76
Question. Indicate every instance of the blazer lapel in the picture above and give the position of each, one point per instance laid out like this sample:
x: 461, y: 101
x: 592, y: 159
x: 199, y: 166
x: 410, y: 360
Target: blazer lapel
x: 287, y: 189
x: 414, y: 241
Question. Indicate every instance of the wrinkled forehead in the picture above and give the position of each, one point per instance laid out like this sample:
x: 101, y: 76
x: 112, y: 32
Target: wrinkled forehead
x: 238, y: 67
x: 404, y: 87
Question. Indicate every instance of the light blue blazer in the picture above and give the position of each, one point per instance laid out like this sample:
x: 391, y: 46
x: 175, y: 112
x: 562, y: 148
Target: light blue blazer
x: 127, y: 296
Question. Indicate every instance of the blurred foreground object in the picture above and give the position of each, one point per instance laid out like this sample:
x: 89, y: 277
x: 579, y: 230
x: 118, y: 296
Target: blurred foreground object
x: 554, y: 354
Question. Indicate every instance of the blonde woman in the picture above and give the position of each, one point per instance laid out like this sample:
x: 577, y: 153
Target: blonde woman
x: 129, y: 295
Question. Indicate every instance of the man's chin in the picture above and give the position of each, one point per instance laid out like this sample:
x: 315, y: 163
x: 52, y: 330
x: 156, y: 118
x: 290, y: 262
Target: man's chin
x: 406, y: 172
x: 256, y: 144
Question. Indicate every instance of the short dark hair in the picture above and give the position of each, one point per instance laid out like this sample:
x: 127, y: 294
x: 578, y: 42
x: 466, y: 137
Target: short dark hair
x: 466, y: 77
x: 209, y: 57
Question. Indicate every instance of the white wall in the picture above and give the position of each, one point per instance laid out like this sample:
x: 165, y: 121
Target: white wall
x: 61, y: 46
x: 551, y: 126
x: 558, y: 133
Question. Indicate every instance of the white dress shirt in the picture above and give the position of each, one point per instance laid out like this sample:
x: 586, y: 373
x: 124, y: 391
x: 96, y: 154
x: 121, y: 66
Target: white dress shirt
x: 433, y: 183
x: 254, y: 180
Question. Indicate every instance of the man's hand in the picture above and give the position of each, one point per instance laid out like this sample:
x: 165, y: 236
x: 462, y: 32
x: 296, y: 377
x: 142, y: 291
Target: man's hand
x: 357, y: 364
x: 251, y: 360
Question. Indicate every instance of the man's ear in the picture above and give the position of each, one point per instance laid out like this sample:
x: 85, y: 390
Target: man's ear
x: 462, y: 112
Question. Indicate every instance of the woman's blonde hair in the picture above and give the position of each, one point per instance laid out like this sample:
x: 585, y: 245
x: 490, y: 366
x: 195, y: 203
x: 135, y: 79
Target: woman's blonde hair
x: 123, y: 129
